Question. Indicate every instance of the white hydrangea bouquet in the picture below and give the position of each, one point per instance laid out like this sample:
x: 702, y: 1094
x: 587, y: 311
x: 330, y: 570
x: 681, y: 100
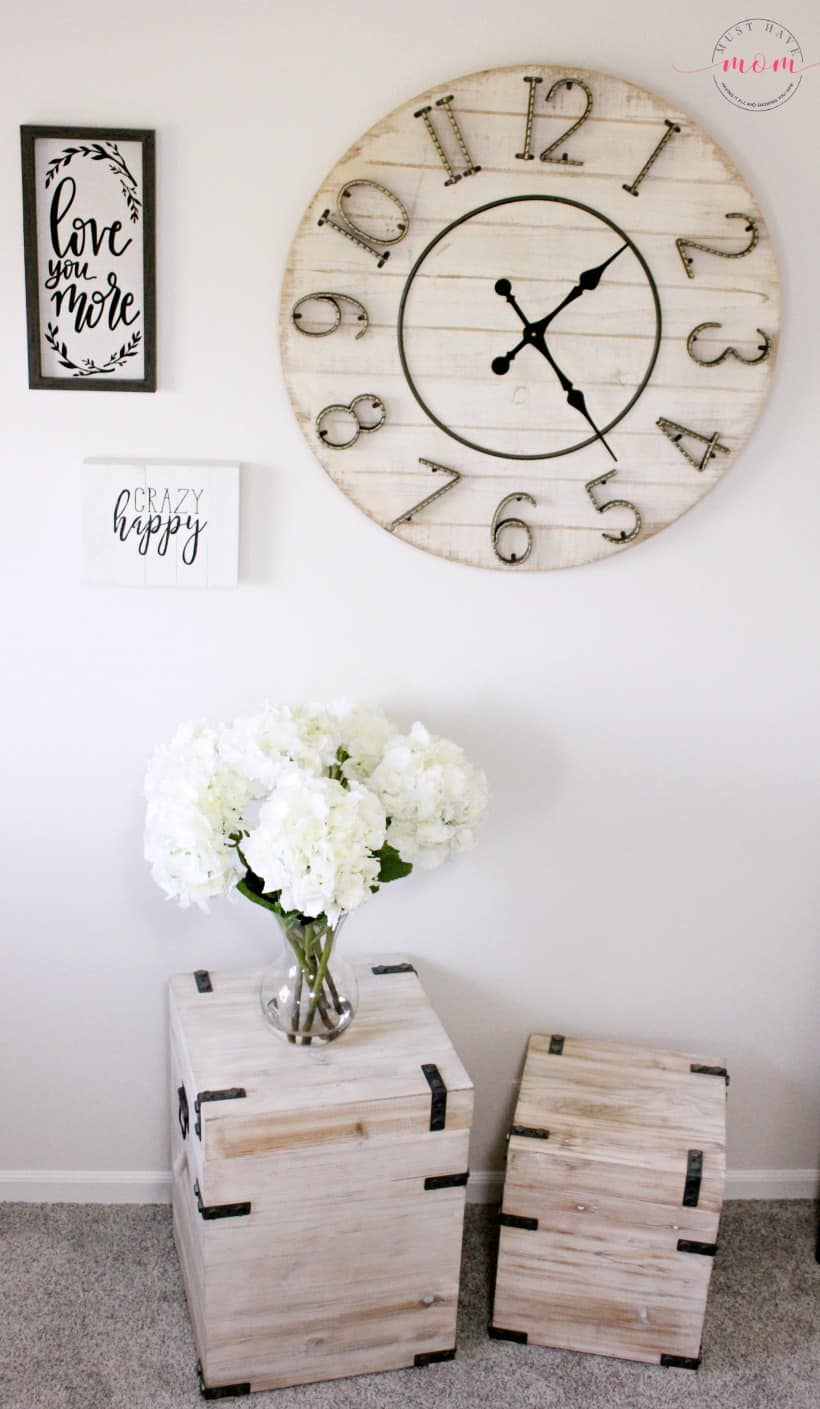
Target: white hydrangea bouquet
x: 306, y: 811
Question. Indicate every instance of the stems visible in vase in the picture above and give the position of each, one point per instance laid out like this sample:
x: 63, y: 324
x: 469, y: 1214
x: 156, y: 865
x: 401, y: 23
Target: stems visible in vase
x: 318, y: 983
x: 304, y: 938
x: 313, y: 959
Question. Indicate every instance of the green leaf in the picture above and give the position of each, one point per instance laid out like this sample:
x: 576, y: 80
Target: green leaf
x: 391, y: 866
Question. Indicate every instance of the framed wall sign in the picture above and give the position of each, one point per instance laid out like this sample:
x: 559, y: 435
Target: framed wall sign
x: 160, y: 524
x: 88, y: 224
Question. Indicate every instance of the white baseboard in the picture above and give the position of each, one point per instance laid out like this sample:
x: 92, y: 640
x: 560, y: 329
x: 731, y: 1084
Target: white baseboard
x: 772, y: 1184
x: 85, y: 1186
x: 123, y: 1186
x: 485, y: 1186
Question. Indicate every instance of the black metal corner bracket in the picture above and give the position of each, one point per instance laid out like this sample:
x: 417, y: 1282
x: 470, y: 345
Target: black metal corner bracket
x: 680, y: 1362
x: 203, y: 981
x: 432, y: 1357
x: 230, y: 1093
x: 220, y: 1391
x: 705, y: 1249
x: 530, y: 1132
x: 446, y: 1181
x: 392, y: 969
x: 694, y: 1175
x: 438, y: 1096
x: 209, y: 1211
x: 700, y: 1070
x: 182, y: 1112
x: 500, y: 1333
x: 515, y: 1220
x: 557, y: 1044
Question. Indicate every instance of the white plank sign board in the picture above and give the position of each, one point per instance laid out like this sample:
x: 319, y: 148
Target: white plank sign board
x: 152, y: 524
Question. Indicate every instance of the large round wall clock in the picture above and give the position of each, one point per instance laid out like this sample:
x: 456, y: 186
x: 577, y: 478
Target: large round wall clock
x: 529, y: 318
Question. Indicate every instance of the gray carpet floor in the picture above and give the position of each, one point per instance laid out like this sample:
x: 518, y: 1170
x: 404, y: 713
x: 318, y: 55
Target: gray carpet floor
x: 93, y: 1316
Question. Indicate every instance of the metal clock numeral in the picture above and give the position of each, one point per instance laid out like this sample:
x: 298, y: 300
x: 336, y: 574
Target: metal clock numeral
x: 334, y: 300
x: 684, y: 245
x: 565, y: 160
x: 671, y: 128
x: 527, y: 154
x: 764, y: 348
x: 455, y: 476
x: 352, y: 409
x: 675, y: 433
x: 546, y: 155
x: 452, y: 175
x: 623, y: 536
x: 351, y: 231
x: 500, y: 523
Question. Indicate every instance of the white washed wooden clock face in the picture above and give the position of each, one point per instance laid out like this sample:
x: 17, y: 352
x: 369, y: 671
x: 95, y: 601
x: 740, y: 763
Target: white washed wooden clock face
x: 530, y: 318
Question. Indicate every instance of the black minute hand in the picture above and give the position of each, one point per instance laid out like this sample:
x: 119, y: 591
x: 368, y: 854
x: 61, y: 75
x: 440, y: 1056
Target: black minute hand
x: 589, y: 280
x: 575, y: 397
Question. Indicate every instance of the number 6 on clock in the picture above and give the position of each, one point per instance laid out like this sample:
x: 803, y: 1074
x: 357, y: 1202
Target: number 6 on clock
x: 499, y: 523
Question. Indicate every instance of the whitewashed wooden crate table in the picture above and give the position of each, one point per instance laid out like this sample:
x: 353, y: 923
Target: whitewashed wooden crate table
x: 615, y: 1176
x: 318, y: 1192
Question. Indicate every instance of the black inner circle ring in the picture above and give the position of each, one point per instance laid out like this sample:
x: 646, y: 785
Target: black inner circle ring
x: 479, y: 210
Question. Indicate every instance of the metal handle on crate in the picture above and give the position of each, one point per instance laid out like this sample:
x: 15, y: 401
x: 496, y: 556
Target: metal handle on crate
x: 182, y: 1113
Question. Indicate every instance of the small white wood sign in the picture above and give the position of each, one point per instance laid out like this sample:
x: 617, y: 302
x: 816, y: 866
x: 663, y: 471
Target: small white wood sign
x: 159, y: 524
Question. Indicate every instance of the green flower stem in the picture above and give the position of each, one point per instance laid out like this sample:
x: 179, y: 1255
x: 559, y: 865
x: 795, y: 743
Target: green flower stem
x: 321, y: 972
x: 297, y: 1006
x: 334, y: 992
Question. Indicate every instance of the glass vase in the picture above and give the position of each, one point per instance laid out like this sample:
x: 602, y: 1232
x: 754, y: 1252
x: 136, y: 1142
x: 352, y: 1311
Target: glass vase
x: 309, y: 995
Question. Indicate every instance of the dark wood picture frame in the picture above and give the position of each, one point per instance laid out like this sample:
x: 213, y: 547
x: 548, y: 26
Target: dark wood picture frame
x: 29, y: 135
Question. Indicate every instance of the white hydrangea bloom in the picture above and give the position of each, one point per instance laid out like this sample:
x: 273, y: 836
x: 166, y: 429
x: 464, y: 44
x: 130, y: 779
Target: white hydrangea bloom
x: 363, y: 732
x: 264, y: 746
x: 195, y: 801
x: 434, y: 797
x: 314, y: 842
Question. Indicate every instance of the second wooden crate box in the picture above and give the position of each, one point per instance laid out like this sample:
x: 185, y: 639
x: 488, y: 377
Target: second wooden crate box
x: 612, y: 1199
x: 318, y: 1193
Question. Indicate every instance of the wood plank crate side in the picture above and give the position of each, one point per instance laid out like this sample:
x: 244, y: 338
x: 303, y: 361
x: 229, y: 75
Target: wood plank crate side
x: 237, y: 1136
x: 324, y: 1276
x: 189, y: 1250
x: 568, y: 1296
x: 658, y: 1102
x: 561, y: 1192
x: 600, y: 1266
x: 335, y: 1290
x: 338, y: 1170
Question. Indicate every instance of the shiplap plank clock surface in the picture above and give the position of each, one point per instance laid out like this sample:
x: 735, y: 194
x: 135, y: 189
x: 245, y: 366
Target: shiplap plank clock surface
x: 615, y: 1177
x: 318, y: 1193
x: 422, y: 358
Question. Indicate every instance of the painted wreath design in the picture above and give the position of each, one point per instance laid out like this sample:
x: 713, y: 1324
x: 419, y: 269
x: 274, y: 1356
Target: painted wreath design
x: 101, y: 151
x: 88, y: 367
